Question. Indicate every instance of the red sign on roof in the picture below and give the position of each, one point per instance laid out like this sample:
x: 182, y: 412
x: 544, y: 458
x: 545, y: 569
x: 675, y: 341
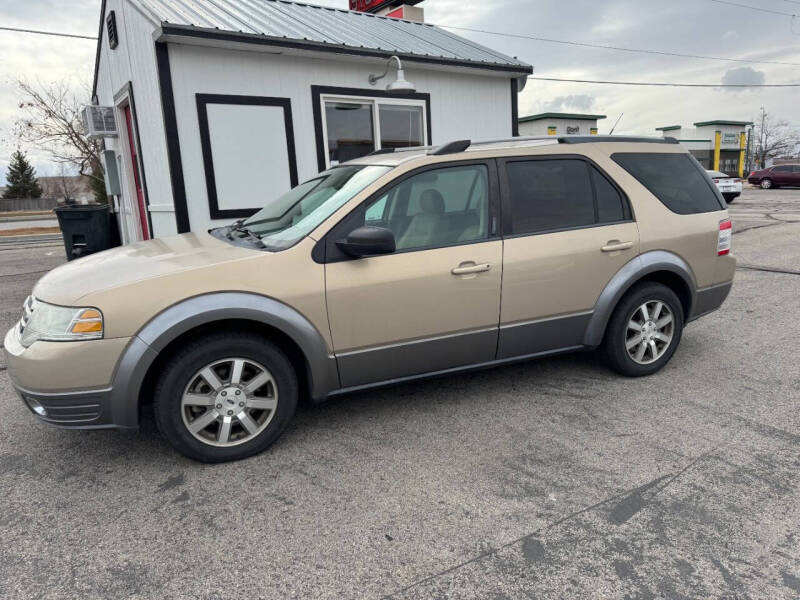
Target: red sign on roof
x: 372, y: 6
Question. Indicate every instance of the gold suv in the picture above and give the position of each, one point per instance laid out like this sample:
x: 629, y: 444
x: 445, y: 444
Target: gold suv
x: 394, y: 266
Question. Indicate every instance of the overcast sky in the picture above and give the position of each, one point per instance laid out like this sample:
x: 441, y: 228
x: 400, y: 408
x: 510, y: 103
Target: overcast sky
x: 685, y: 26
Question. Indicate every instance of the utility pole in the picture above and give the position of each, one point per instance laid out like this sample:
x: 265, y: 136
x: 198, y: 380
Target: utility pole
x: 761, y: 140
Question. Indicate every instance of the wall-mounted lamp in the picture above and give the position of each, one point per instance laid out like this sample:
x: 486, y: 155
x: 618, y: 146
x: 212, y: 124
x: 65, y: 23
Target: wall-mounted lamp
x: 400, y: 85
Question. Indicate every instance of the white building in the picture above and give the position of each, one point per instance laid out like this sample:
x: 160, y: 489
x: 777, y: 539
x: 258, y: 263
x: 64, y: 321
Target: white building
x: 223, y: 104
x: 717, y: 145
x: 559, y: 124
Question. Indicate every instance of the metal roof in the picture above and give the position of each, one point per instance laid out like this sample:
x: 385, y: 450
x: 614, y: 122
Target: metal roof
x: 557, y: 115
x: 737, y: 123
x: 282, y: 22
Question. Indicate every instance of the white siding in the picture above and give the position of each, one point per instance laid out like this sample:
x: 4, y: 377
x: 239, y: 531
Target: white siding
x: 134, y: 60
x: 463, y: 105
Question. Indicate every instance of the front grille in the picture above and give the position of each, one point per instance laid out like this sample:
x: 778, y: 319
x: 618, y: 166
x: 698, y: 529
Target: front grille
x: 27, y: 311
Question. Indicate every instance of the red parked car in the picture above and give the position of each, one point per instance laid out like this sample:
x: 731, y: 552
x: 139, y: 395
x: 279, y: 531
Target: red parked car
x: 773, y: 177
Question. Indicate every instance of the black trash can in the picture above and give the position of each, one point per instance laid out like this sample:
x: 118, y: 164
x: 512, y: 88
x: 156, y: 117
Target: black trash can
x: 86, y: 229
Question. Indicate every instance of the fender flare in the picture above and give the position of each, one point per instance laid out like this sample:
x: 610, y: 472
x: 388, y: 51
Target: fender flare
x: 621, y: 282
x: 193, y: 312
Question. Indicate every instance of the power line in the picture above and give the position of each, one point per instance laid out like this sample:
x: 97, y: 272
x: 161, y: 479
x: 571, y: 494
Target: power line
x: 605, y: 47
x: 659, y: 84
x: 37, y: 31
x: 758, y: 8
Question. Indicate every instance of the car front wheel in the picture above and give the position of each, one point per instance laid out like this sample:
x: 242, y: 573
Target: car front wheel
x: 225, y: 397
x: 644, y: 330
x: 766, y: 184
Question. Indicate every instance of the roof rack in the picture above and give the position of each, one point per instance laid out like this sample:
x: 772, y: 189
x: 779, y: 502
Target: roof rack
x: 586, y: 139
x: 462, y: 145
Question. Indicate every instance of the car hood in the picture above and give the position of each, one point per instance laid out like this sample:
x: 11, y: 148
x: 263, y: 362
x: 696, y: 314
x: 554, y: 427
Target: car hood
x: 162, y: 257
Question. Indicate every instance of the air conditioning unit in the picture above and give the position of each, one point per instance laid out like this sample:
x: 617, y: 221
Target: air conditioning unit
x: 99, y: 121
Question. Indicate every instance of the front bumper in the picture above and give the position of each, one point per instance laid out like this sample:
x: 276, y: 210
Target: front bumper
x: 68, y: 384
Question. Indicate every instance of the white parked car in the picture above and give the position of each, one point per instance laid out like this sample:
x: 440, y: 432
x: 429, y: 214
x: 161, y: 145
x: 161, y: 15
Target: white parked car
x: 729, y: 187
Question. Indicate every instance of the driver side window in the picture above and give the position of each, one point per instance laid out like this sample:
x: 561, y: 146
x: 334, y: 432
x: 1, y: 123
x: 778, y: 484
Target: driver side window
x: 440, y: 207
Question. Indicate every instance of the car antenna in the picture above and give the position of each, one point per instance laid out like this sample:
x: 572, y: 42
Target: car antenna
x: 616, y: 123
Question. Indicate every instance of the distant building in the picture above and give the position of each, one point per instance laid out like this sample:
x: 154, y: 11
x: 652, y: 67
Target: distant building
x: 74, y: 187
x: 717, y: 145
x: 554, y: 123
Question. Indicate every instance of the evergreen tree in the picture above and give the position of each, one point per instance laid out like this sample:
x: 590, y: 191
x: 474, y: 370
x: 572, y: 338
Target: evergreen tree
x: 21, y: 178
x: 98, y: 184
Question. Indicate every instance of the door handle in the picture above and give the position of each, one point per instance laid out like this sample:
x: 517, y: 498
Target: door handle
x: 616, y: 245
x: 469, y: 268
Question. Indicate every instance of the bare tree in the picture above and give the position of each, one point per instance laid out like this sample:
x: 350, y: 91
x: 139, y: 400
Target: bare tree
x: 773, y: 138
x: 51, y: 121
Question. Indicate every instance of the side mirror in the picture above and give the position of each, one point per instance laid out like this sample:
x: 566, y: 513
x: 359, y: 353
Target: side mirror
x: 367, y: 240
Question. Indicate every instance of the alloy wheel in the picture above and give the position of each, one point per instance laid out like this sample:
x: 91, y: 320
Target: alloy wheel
x: 766, y: 184
x: 229, y: 402
x: 650, y: 331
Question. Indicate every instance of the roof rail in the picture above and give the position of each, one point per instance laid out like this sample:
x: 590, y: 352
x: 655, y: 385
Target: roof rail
x: 452, y: 147
x: 587, y: 139
x: 532, y: 138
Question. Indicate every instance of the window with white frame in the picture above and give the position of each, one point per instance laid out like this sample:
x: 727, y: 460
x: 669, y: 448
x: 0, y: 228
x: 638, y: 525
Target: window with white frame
x: 356, y: 126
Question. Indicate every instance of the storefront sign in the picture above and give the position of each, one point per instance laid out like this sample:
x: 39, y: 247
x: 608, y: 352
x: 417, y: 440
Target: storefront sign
x: 593, y: 131
x: 551, y: 130
x: 730, y: 138
x: 573, y: 130
x: 372, y: 6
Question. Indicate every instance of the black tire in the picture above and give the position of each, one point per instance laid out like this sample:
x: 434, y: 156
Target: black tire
x: 202, y: 351
x: 613, y: 347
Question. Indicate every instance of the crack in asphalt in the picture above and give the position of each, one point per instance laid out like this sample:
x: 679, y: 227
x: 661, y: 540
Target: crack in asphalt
x: 668, y: 479
x: 26, y: 273
x: 767, y: 269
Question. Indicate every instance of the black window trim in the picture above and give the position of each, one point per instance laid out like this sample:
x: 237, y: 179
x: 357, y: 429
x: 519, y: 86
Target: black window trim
x: 202, y: 101
x: 505, y: 195
x: 317, y: 91
x: 325, y: 250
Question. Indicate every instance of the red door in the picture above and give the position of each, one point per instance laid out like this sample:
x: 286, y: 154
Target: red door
x: 136, y: 179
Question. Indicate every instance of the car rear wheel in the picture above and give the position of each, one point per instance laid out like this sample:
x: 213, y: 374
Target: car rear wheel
x: 644, y: 331
x: 225, y: 397
x: 766, y: 184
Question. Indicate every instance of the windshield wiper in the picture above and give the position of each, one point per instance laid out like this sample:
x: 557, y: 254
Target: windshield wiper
x: 240, y: 228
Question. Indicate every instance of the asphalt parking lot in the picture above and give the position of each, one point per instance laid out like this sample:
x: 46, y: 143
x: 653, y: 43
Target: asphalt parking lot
x: 551, y: 479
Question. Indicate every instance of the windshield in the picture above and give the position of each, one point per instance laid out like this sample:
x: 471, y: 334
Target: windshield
x: 292, y: 216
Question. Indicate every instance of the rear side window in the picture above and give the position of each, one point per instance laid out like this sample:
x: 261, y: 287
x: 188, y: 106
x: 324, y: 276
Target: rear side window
x: 549, y: 194
x: 553, y: 194
x: 782, y: 169
x: 610, y: 205
x: 677, y: 180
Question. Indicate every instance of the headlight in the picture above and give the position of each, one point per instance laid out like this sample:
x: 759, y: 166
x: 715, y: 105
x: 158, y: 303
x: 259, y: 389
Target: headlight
x: 48, y: 322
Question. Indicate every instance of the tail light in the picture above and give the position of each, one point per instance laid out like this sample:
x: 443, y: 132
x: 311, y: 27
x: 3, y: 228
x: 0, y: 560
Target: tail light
x: 716, y: 181
x: 724, y: 238
x: 752, y: 173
